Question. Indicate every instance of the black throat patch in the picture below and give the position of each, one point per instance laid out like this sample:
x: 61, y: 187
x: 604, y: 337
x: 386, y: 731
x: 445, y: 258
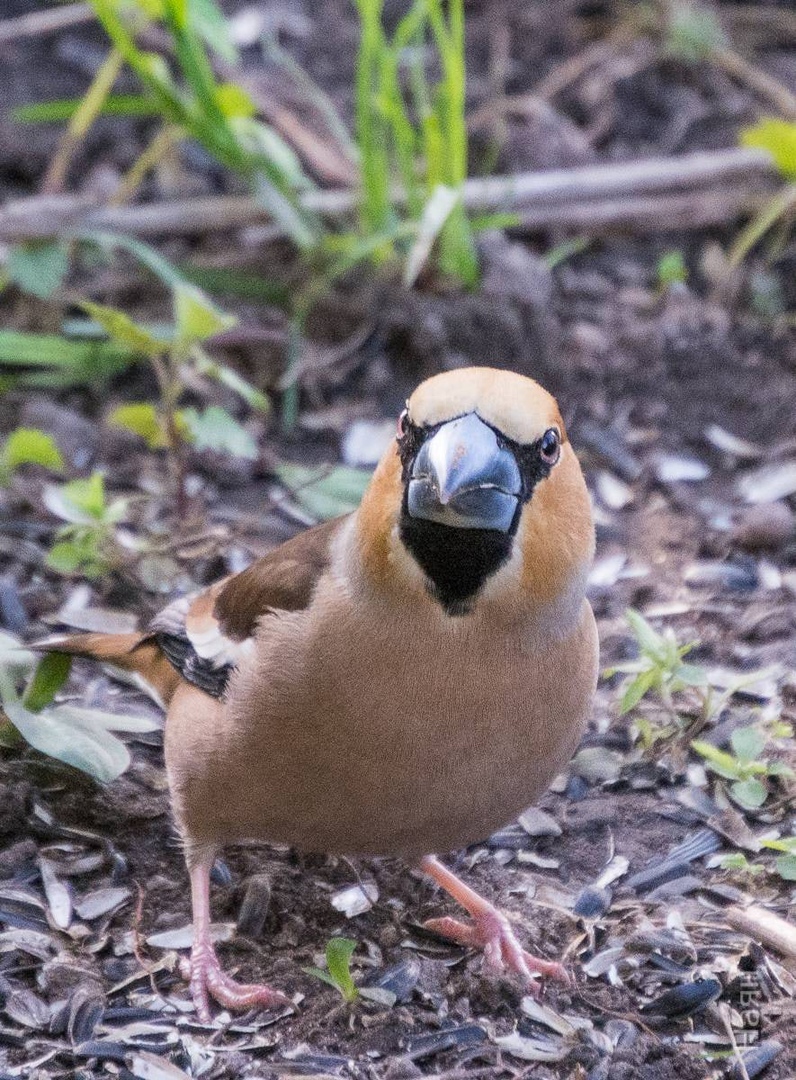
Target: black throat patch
x: 457, y: 562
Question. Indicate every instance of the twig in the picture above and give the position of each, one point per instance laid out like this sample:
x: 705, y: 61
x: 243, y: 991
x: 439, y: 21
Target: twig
x: 764, y: 926
x: 570, y: 70
x: 44, y: 22
x: 165, y: 140
x: 724, y: 1014
x: 87, y: 112
x: 760, y: 82
x: 704, y: 187
x: 646, y: 213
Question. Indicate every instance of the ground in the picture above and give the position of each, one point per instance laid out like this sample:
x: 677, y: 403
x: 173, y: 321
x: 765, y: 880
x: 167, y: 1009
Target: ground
x: 644, y: 374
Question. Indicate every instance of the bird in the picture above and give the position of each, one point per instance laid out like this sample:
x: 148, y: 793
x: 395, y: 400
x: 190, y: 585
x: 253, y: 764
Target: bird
x: 401, y: 681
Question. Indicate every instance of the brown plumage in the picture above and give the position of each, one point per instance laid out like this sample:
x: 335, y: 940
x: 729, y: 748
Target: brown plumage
x: 400, y: 681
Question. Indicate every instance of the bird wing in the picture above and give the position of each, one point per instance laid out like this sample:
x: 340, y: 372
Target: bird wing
x: 205, y: 635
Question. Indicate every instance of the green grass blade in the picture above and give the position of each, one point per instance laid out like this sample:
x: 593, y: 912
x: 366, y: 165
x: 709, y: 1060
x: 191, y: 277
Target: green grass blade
x: 51, y: 112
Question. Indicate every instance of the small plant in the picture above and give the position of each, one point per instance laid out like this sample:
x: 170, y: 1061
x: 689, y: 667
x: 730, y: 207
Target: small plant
x: 778, y: 137
x: 193, y: 103
x: 415, y: 134
x: 177, y: 357
x: 736, y: 862
x: 28, y: 446
x: 746, y: 765
x: 785, y: 863
x: 87, y: 543
x: 660, y: 668
x: 671, y: 270
x: 339, y: 951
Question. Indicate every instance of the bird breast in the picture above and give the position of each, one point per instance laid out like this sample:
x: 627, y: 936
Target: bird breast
x: 373, y: 732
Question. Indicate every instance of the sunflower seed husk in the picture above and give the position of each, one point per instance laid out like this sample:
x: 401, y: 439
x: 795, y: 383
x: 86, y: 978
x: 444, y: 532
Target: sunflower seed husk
x: 684, y: 1000
x: 255, y: 906
x: 356, y: 899
x: 755, y: 1060
x: 101, y: 902
x: 520, y: 1046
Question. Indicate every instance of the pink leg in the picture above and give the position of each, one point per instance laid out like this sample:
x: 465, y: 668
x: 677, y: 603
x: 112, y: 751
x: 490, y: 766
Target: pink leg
x: 489, y: 930
x: 203, y: 970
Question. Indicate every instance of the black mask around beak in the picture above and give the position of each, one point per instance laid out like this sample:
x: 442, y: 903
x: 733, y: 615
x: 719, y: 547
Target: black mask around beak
x: 463, y: 478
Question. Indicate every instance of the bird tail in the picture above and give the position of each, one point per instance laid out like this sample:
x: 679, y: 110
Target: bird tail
x: 136, y: 655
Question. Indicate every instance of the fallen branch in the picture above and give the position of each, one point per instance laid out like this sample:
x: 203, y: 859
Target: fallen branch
x: 36, y: 23
x: 764, y: 926
x: 703, y: 188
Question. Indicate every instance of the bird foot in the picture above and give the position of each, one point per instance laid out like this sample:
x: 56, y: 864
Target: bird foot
x: 491, y: 932
x: 207, y: 980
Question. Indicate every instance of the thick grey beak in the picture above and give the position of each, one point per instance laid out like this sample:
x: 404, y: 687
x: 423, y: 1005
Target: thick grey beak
x: 463, y: 478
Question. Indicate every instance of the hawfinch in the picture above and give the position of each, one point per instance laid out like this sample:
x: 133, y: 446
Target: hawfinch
x: 400, y: 681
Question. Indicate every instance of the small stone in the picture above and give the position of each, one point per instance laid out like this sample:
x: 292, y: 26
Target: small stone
x: 764, y: 527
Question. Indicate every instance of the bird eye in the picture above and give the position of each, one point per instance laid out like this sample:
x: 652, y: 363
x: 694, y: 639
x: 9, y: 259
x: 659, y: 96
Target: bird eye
x: 403, y: 421
x: 550, y: 446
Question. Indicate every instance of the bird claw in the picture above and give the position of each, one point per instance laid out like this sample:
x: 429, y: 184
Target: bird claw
x: 207, y: 980
x: 491, y: 932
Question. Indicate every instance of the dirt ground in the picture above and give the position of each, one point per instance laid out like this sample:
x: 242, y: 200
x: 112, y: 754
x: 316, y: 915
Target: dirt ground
x: 645, y: 376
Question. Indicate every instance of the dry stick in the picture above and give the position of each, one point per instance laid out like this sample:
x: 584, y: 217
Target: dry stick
x: 44, y: 22
x: 540, y: 199
x: 764, y: 926
x: 760, y: 82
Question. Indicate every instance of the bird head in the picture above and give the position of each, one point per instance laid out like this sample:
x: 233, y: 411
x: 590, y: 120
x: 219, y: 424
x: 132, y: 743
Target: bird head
x: 482, y: 491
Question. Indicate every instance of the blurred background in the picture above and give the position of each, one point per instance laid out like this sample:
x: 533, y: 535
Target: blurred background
x: 233, y: 238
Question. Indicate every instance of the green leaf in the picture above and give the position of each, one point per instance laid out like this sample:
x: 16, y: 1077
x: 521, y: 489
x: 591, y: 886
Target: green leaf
x: 636, y: 689
x: 196, y: 316
x: 691, y: 675
x: 209, y: 21
x: 338, y: 960
x: 121, y: 329
x: 14, y: 657
x: 325, y: 494
x: 86, y: 498
x: 49, y: 112
x: 780, y: 768
x: 785, y: 843
x: 738, y: 861
x: 720, y: 762
x: 79, y: 737
x: 66, y: 557
x: 234, y: 101
x: 748, y: 743
x: 142, y: 419
x: 786, y: 867
x: 215, y: 429
x: 751, y: 794
x: 29, y: 446
x: 53, y: 361
x: 671, y: 269
x: 324, y: 976
x: 778, y: 137
x: 39, y: 267
x: 51, y: 673
x: 649, y: 640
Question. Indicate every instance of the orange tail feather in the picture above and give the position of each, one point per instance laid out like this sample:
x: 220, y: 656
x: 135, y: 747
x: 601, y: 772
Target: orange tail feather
x: 137, y: 654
